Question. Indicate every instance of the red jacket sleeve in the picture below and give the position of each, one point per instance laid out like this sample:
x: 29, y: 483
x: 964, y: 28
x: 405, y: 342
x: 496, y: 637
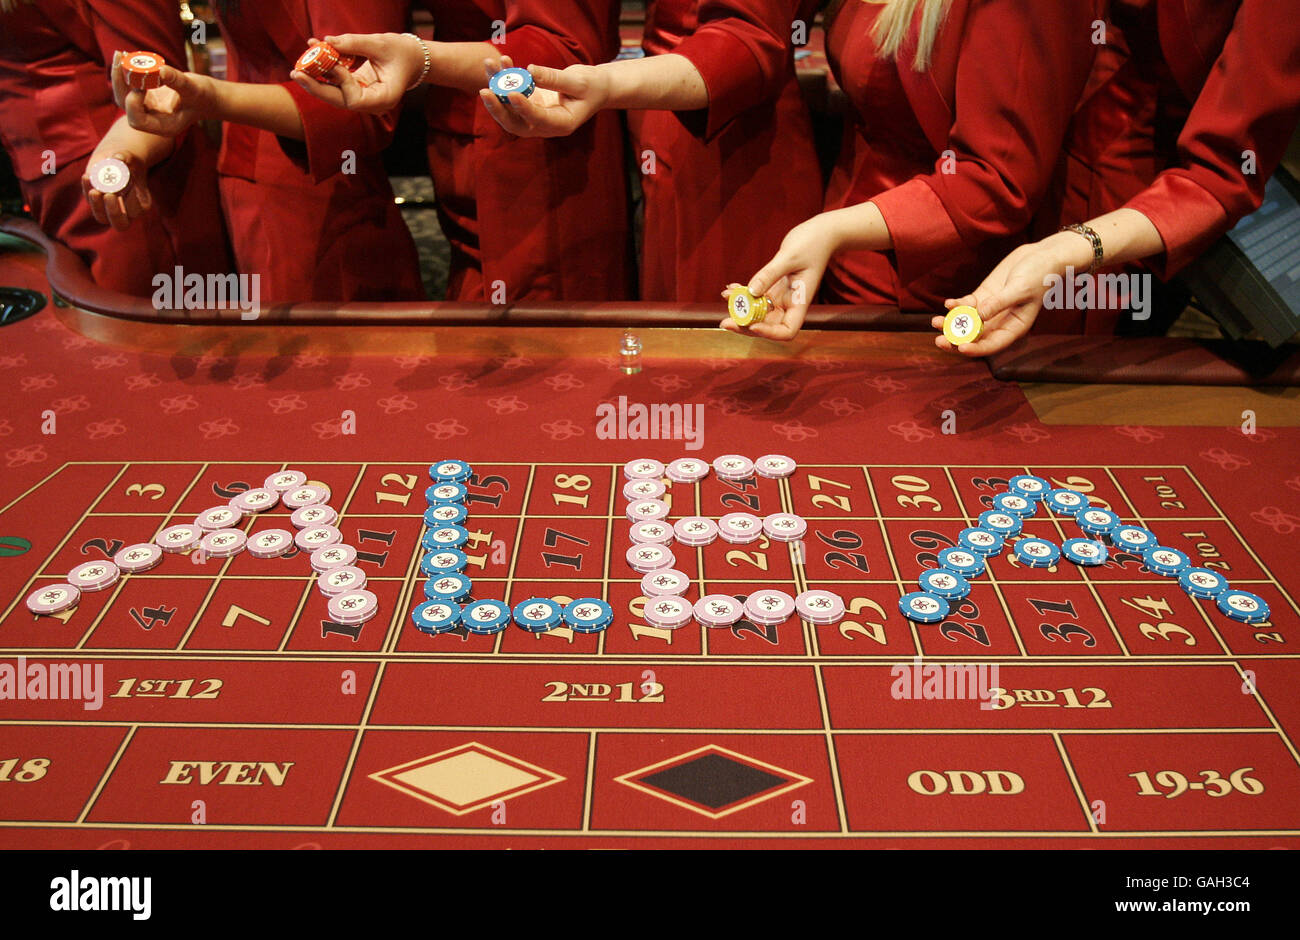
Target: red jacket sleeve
x: 559, y: 33
x: 1018, y: 77
x: 329, y: 131
x: 1250, y: 102
x: 137, y: 26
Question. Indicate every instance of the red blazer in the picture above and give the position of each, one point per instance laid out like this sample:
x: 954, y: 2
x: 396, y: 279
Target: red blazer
x: 527, y: 218
x: 723, y: 185
x: 1003, y: 81
x: 312, y: 231
x: 55, y: 95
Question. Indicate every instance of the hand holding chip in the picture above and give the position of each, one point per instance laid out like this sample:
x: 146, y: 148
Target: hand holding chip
x: 562, y: 101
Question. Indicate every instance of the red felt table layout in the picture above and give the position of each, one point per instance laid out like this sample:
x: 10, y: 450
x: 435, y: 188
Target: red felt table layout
x: 234, y: 713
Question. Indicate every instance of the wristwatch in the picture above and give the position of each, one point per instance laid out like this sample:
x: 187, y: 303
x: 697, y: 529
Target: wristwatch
x: 1098, y: 252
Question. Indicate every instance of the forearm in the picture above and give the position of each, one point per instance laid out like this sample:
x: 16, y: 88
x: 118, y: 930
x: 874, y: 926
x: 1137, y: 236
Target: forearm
x: 266, y: 107
x: 149, y: 149
x: 1126, y: 235
x: 661, y: 83
x: 459, y: 64
x: 858, y: 228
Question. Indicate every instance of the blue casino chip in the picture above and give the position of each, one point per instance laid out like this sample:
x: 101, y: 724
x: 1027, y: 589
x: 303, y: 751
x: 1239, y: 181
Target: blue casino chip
x: 1166, y: 562
x: 442, y: 561
x: 436, y: 616
x: 962, y: 561
x: 448, y: 586
x: 1134, y: 539
x: 1015, y: 504
x: 485, y: 617
x: 922, y: 607
x: 446, y: 493
x: 1242, y: 606
x: 1037, y: 553
x: 1086, y: 552
x: 1098, y: 522
x: 453, y: 514
x: 588, y: 615
x: 981, y: 541
x: 1066, y: 502
x: 538, y: 614
x: 1202, y: 582
x: 943, y: 583
x: 508, y: 81
x: 450, y: 471
x: 1029, y: 486
x: 1005, y: 524
x: 444, y: 536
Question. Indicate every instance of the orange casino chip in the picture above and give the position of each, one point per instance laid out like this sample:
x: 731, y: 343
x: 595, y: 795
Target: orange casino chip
x: 143, y: 70
x: 319, y: 60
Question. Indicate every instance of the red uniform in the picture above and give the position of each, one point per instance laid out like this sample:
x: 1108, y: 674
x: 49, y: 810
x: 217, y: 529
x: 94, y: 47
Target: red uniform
x: 528, y: 218
x: 56, y: 97
x: 958, y: 157
x: 722, y: 186
x: 315, y: 218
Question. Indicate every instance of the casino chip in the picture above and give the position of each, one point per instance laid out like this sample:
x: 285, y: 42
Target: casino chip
x: 446, y: 536
x: 538, y: 615
x: 718, y: 610
x: 744, y: 308
x: 784, y: 527
x: 341, y: 580
x: 285, y: 480
x: 1086, y: 552
x: 733, y: 467
x: 445, y: 494
x: 962, y: 561
x: 1066, y: 502
x: 652, y: 533
x: 668, y: 612
x: 588, y: 615
x: 305, y: 495
x: 308, y: 517
x: 509, y: 81
x: 943, y: 583
x: 449, y: 587
x: 251, y: 502
x: 321, y: 58
x: 922, y: 607
x: 695, y: 531
x: 1203, y: 583
x: 740, y: 528
x: 109, y: 175
x: 1005, y: 524
x: 353, y: 607
x: 820, y: 608
x: 647, y: 510
x: 643, y: 489
x: 270, y: 543
x: 1097, y: 522
x: 1134, y: 539
x: 1166, y: 562
x: 643, y: 469
x: 94, y: 576
x: 1015, y: 504
x: 178, y: 538
x: 218, y: 517
x: 453, y: 514
x: 962, y: 325
x: 136, y: 558
x: 775, y: 466
x: 981, y: 541
x: 687, y: 470
x: 450, y: 471
x: 1242, y: 606
x: 443, y: 561
x: 1029, y: 486
x: 332, y: 556
x: 1037, y: 553
x: 142, y: 70
x: 436, y: 616
x: 53, y: 599
x: 224, y: 543
x: 646, y: 558
x: 308, y: 540
x: 768, y: 607
x: 665, y: 581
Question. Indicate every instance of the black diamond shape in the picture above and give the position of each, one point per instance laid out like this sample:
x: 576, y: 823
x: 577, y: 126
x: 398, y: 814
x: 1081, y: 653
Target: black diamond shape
x: 713, y: 780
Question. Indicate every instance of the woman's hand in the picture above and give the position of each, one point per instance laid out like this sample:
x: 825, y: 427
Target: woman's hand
x: 561, y: 102
x: 790, y: 280
x: 393, y: 61
x: 119, y: 209
x: 170, y: 110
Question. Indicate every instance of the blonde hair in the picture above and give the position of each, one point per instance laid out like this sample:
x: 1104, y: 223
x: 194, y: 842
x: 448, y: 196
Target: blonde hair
x: 894, y: 21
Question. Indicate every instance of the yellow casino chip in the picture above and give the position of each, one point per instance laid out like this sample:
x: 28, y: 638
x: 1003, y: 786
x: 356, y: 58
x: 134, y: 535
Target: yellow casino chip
x: 962, y: 325
x: 745, y: 308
